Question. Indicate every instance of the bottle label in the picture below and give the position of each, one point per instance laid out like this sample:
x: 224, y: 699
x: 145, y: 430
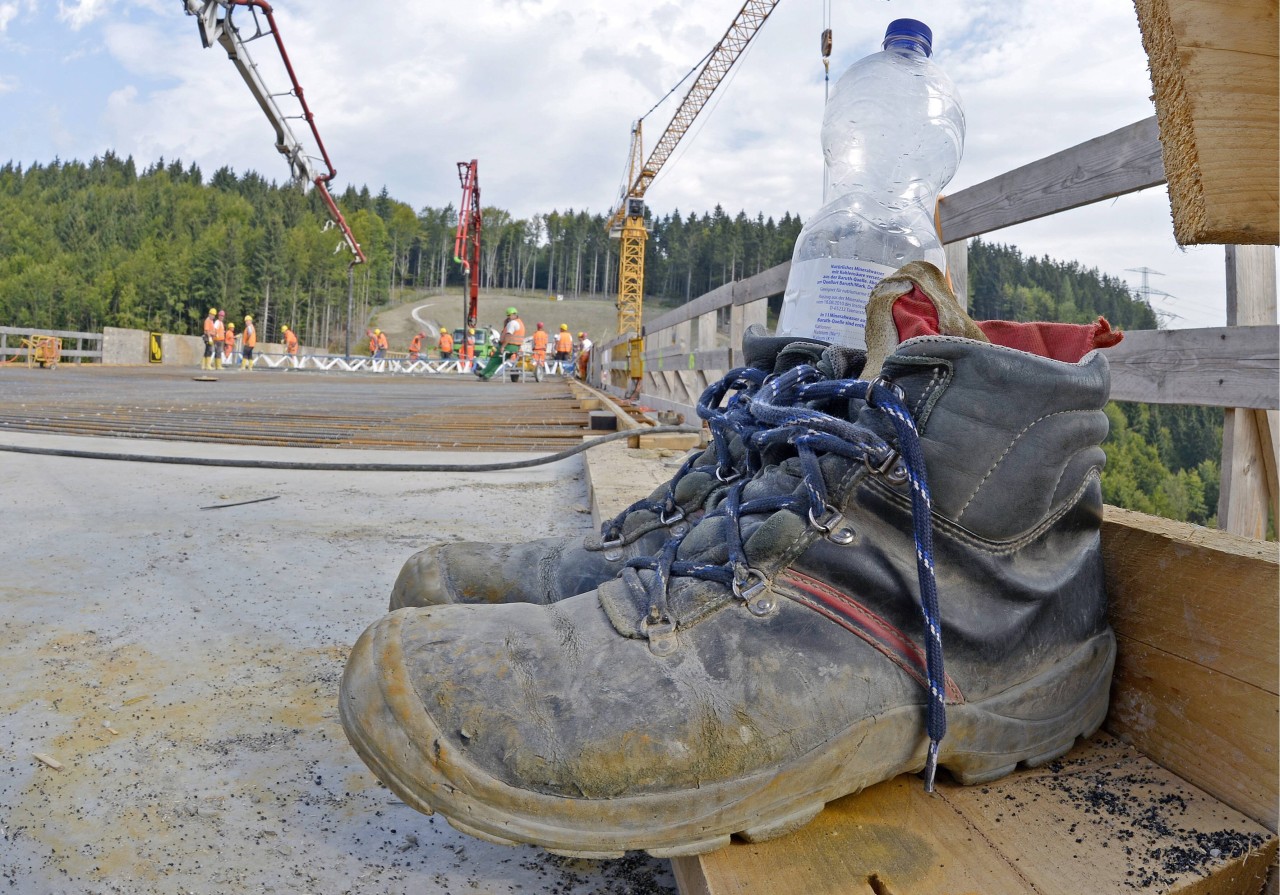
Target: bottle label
x: 831, y: 300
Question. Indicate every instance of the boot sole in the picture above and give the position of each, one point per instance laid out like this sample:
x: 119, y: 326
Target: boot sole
x: 1030, y: 724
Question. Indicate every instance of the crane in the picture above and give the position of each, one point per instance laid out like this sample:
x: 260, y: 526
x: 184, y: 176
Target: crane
x: 626, y: 221
x: 466, y: 245
x: 214, y: 19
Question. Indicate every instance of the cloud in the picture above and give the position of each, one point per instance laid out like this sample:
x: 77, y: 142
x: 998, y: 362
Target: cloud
x: 79, y: 13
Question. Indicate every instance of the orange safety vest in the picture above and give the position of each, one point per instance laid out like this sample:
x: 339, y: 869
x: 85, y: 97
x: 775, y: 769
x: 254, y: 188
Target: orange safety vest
x: 230, y: 340
x: 208, y: 327
x: 446, y: 342
x: 218, y: 329
x: 382, y: 341
x: 250, y: 336
x: 415, y: 344
x: 290, y: 342
x: 514, y: 338
x: 564, y: 342
x: 469, y: 348
x: 540, y: 339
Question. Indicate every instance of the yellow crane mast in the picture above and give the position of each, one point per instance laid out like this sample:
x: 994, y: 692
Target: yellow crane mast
x: 626, y: 222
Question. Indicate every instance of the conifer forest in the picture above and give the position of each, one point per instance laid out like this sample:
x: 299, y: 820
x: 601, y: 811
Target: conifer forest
x: 104, y: 243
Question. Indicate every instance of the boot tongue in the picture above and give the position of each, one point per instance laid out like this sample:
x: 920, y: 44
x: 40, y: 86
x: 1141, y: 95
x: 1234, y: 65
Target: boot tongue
x: 914, y: 301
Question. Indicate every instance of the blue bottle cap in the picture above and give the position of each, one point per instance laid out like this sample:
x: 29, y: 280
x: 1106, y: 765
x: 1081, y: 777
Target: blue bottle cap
x: 910, y: 29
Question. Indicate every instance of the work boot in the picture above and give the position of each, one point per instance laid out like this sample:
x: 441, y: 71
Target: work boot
x: 789, y: 649
x: 550, y: 569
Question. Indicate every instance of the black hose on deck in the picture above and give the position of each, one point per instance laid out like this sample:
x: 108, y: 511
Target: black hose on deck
x: 348, y: 467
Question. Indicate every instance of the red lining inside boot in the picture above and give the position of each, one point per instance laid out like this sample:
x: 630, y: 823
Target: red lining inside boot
x: 914, y: 315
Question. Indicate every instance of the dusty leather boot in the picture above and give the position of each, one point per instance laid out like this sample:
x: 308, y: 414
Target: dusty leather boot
x: 550, y: 569
x: 790, y: 648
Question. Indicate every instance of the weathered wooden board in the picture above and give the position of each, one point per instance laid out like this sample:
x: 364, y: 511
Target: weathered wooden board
x: 1214, y: 75
x: 1103, y: 819
x: 1228, y: 366
x: 1123, y: 161
x: 1197, y: 676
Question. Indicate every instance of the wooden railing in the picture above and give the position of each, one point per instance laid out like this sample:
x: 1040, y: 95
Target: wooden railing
x: 1235, y: 367
x: 12, y: 347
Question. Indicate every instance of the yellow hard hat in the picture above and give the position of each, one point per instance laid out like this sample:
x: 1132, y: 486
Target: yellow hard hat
x: 471, y: 332
x: 213, y: 310
x: 377, y: 332
x: 248, y: 318
x: 564, y: 326
x: 284, y: 328
x: 231, y: 326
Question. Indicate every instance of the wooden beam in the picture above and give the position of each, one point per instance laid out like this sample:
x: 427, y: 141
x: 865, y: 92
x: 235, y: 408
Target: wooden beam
x: 1214, y: 73
x: 1123, y: 161
x: 1229, y: 366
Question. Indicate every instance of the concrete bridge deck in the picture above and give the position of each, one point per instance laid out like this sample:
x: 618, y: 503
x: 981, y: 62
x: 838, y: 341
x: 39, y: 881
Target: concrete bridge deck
x: 178, y: 657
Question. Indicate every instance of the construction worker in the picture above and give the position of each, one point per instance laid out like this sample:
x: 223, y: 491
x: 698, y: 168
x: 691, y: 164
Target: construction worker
x: 248, y: 342
x: 373, y: 343
x: 206, y: 363
x: 229, y: 344
x: 219, y: 334
x: 380, y: 351
x: 584, y: 355
x: 446, y: 344
x: 563, y: 346
x: 290, y: 339
x: 541, y: 338
x: 415, y: 345
x: 468, y: 350
x: 509, y: 343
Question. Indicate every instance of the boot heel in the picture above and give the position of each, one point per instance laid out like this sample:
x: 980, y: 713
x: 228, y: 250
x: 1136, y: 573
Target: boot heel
x: 989, y: 740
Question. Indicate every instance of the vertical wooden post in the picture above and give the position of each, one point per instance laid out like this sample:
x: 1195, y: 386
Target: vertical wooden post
x: 958, y: 270
x: 741, y: 317
x: 1249, y: 437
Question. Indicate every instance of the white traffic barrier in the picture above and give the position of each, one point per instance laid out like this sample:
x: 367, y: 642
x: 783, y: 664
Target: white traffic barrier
x: 327, y: 362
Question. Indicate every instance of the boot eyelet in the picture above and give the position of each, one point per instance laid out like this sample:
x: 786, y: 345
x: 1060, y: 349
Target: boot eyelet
x: 831, y: 518
x: 733, y: 476
x: 680, y: 530
x: 670, y: 520
x: 613, y: 555
x: 898, y: 474
x: 661, y: 635
x: 753, y: 589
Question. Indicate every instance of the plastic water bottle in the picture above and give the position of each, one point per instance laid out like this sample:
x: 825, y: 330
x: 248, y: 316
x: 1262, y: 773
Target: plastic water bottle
x: 892, y: 136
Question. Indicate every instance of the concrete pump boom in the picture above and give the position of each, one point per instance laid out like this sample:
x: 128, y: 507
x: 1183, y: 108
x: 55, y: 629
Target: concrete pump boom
x: 214, y: 20
x: 466, y: 243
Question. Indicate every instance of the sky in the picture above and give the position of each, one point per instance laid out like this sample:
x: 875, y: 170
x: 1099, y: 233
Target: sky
x: 543, y: 94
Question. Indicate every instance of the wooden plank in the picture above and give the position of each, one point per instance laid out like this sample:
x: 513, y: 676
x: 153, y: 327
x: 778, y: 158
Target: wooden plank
x: 1105, y: 819
x: 765, y: 284
x: 1197, y: 677
x: 1214, y: 75
x: 1230, y: 366
x: 1123, y: 161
